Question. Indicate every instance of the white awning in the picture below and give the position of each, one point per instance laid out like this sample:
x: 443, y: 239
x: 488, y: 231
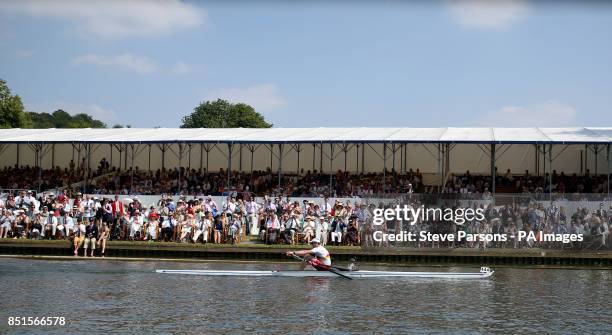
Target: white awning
x: 578, y: 135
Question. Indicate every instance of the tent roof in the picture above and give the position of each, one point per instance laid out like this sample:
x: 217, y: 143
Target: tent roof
x: 578, y: 135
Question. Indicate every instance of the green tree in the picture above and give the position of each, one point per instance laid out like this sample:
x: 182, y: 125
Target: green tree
x: 41, y: 120
x: 223, y: 114
x: 61, y: 119
x: 85, y: 121
x: 12, y: 112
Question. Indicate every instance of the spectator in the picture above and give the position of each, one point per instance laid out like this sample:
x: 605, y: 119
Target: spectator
x: 91, y: 236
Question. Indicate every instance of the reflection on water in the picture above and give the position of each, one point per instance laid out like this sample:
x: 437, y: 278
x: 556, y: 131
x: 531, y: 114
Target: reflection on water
x: 120, y: 297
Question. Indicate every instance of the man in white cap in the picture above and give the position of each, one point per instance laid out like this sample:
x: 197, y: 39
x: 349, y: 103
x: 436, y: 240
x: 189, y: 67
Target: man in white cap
x: 318, y: 257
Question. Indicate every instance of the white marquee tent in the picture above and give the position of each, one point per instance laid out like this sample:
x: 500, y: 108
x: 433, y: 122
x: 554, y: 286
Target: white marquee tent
x: 437, y: 151
x: 581, y: 135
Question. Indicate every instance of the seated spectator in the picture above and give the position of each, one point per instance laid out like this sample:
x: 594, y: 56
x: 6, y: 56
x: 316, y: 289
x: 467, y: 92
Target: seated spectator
x: 79, y: 236
x: 6, y: 220
x: 91, y: 237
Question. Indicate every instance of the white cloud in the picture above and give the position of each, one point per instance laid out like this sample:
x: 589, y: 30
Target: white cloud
x: 264, y: 97
x: 113, y: 19
x: 98, y: 112
x: 126, y: 61
x: 545, y: 114
x: 488, y: 13
x: 182, y: 68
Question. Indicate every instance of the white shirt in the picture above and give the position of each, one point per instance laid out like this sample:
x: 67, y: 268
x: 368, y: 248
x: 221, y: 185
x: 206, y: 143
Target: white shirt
x: 69, y: 223
x: 252, y: 207
x: 322, y: 254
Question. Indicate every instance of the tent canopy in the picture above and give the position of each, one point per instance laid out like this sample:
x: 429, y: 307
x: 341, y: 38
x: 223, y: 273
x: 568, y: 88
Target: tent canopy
x: 578, y: 135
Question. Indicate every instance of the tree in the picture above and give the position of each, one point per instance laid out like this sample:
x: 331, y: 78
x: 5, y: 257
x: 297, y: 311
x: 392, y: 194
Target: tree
x: 12, y: 112
x: 13, y: 115
x: 223, y: 114
x: 85, y: 121
x: 61, y: 119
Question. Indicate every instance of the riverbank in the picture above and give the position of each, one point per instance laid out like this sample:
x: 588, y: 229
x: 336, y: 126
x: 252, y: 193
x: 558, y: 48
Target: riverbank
x: 252, y: 251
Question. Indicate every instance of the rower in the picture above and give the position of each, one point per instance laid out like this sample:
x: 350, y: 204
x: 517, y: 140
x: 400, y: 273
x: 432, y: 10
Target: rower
x: 318, y: 256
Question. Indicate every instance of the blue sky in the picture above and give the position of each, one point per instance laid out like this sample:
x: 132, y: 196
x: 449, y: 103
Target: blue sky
x: 315, y: 64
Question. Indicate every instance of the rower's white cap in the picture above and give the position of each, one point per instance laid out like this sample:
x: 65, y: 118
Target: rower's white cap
x: 315, y: 240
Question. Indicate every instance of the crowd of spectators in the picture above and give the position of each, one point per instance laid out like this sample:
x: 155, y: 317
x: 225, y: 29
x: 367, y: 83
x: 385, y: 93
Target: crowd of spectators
x: 527, y: 183
x: 106, y: 180
x: 89, y: 221
x: 509, y: 219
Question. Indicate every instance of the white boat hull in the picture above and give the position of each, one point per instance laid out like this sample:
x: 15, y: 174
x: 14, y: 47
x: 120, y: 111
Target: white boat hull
x: 484, y: 273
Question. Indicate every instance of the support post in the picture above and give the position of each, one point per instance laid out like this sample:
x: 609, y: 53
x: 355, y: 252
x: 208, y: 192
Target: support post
x: 149, y: 166
x: 440, y: 173
x: 271, y: 157
x: 357, y: 158
x: 201, y: 156
x: 405, y: 157
x: 180, y: 165
x: 550, y: 172
x: 321, y: 160
x: 53, y: 156
x: 586, y: 158
x: 331, y: 164
x: 252, y: 150
x: 131, y: 167
x: 401, y: 171
x: 39, y: 163
x: 393, y: 157
x: 189, y: 156
x: 608, y: 170
x: 240, y: 157
x: 314, y: 151
x: 493, y: 176
x: 596, y: 156
x: 345, y: 149
x: 163, y: 156
x: 229, y: 165
x: 280, y: 167
x: 384, y: 179
x: 88, y: 166
x: 362, y: 158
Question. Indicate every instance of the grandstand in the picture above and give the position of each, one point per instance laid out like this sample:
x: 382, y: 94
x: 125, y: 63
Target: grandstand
x: 233, y: 153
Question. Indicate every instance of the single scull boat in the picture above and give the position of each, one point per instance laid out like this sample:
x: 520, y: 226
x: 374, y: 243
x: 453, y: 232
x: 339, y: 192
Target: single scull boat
x: 485, y: 272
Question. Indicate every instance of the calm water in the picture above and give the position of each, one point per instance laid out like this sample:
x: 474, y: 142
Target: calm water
x: 129, y: 297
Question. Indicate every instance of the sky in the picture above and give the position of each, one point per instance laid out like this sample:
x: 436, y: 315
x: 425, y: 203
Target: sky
x: 315, y: 63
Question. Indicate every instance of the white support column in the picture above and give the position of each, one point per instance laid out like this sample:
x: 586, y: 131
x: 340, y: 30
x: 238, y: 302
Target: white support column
x: 181, y: 150
x: 131, y: 167
x: 493, y: 176
x: 608, y: 170
x: 331, y: 164
x: 280, y: 166
x: 550, y: 172
x: 229, y: 165
x: 384, y: 179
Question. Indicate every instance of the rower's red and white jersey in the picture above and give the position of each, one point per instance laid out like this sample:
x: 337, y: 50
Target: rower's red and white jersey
x: 322, y: 254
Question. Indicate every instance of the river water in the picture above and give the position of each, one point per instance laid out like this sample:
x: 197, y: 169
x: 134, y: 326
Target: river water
x: 129, y: 297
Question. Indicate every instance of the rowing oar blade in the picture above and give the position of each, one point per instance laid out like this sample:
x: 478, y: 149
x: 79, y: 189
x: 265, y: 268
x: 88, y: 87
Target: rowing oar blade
x: 339, y: 274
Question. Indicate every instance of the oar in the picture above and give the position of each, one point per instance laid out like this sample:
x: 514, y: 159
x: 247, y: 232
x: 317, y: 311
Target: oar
x: 330, y: 270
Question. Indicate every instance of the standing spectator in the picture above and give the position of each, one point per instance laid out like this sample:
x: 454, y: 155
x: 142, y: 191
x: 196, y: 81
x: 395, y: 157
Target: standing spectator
x: 252, y: 209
